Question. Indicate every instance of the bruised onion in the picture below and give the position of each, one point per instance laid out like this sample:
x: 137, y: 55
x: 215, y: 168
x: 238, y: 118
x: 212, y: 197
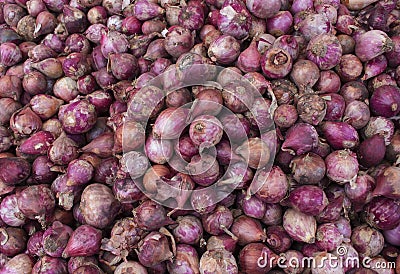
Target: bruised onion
x: 276, y: 63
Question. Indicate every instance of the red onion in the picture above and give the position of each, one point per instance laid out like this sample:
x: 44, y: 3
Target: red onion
x: 308, y: 199
x: 276, y: 63
x: 170, y: 123
x: 178, y: 40
x: 224, y: 50
x: 205, y: 130
x: 217, y: 222
x: 336, y: 197
x: 353, y: 90
x: 218, y: 261
x: 278, y: 240
x: 12, y: 241
x: 236, y: 126
x: 249, y: 59
x: 81, y: 111
x: 10, y: 213
x: 329, y: 82
x: 340, y: 135
x: 301, y: 227
x: 14, y: 170
x: 146, y: 104
x: 255, y: 151
x: 357, y: 114
x: 284, y: 91
x: 387, y: 184
x: 50, y: 67
x: 349, y: 67
x: 335, y: 106
x: 295, y: 140
x: 324, y: 50
x: 84, y: 241
x: 126, y: 191
x: 367, y: 241
x: 329, y: 11
x: 315, y: 24
x: 247, y: 230
x: 37, y: 144
x: 359, y: 192
x: 273, y: 214
x: 346, y: 41
x: 36, y: 202
x: 63, y: 150
x: 383, y: 213
x: 186, y: 259
x: 188, y: 231
x: 221, y: 242
x: 154, y: 249
x: 99, y: 206
x: 55, y: 239
x: 35, y: 244
x: 258, y: 81
x: 127, y: 266
x: 276, y: 188
x: 374, y: 67
x: 288, y: 43
x: 305, y: 74
x: 45, y: 106
x: 5, y: 139
x: 257, y: 258
x: 234, y: 19
x: 379, y: 125
x: 192, y: 16
x: 11, y: 87
x: 280, y: 23
x: 66, y: 89
x: 47, y: 265
x: 208, y: 101
x: 385, y: 101
x: 253, y: 207
x: 298, y: 6
x: 156, y: 49
x: 145, y: 10
x: 157, y: 150
x: 341, y: 166
x: 392, y: 235
x: 377, y: 43
x: 237, y: 98
x: 151, y: 216
x: 371, y: 151
x: 204, y: 170
x: 21, y: 263
x: 311, y: 109
x: 328, y: 237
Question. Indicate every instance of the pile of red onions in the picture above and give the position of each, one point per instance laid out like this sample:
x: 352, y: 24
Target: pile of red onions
x: 107, y: 158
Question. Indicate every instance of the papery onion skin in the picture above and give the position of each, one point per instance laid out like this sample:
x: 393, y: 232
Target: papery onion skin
x: 324, y: 50
x: 301, y: 227
x: 371, y: 44
x: 385, y: 101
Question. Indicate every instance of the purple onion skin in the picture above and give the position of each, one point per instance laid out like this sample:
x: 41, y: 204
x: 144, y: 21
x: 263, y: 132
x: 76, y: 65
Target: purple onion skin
x: 308, y: 199
x: 189, y: 230
x: 21, y: 263
x: 367, y: 240
x: 35, y: 244
x: 280, y: 23
x: 276, y: 63
x: 371, y: 151
x: 340, y: 135
x: 98, y: 205
x: 324, y: 50
x: 13, y: 241
x: 357, y: 114
x: 10, y: 213
x: 335, y: 106
x: 377, y: 43
x: 234, y: 19
x: 14, y: 171
x: 383, y: 213
x: 328, y: 237
x: 224, y: 50
x: 49, y: 265
x: 55, y: 239
x: 300, y: 138
x: 387, y: 183
x: 301, y: 227
x: 385, y: 101
x: 84, y: 241
x: 392, y: 236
